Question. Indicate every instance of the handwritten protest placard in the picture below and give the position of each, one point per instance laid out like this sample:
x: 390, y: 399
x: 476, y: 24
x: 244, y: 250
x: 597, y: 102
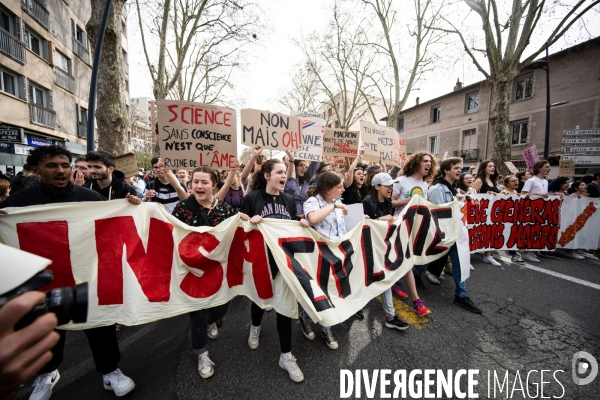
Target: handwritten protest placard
x: 511, y: 167
x: 381, y: 143
x: 566, y: 167
x: 531, y: 156
x: 340, y: 142
x: 126, y: 164
x: 333, y: 160
x: 313, y: 125
x: 196, y: 135
x: 271, y: 130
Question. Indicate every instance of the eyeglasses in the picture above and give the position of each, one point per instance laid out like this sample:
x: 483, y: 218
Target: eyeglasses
x: 81, y: 167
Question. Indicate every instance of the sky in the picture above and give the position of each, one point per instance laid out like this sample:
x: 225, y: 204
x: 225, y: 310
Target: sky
x: 269, y: 64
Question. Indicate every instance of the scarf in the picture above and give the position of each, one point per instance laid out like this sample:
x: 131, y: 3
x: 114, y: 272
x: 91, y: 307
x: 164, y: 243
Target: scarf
x: 192, y: 204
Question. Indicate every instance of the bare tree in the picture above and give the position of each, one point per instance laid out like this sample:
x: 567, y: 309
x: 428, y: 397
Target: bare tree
x: 195, y: 41
x: 305, y: 92
x: 341, y: 64
x: 401, y: 68
x: 111, y: 113
x: 505, y: 42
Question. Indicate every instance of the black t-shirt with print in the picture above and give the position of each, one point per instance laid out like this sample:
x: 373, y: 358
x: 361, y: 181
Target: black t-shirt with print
x: 259, y: 202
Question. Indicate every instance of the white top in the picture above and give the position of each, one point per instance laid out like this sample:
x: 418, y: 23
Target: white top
x: 535, y: 185
x: 406, y: 187
x: 333, y: 226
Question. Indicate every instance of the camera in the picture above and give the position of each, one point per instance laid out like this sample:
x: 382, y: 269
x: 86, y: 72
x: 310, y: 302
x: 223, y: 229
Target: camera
x: 69, y: 304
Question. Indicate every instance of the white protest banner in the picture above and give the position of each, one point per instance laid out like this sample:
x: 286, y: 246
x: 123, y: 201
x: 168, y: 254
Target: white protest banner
x: 143, y: 265
x: 127, y: 164
x: 195, y: 135
x: 579, y: 221
x: 381, y: 143
x: 531, y: 156
x: 270, y: 130
x: 340, y: 142
x: 313, y: 125
x: 355, y: 215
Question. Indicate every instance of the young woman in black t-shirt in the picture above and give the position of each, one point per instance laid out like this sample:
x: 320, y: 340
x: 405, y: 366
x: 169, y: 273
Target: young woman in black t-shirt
x: 267, y: 200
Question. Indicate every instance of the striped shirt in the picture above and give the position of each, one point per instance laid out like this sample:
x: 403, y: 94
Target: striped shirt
x: 165, y: 194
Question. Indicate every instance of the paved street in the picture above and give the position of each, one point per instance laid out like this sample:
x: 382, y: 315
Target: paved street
x: 531, y: 321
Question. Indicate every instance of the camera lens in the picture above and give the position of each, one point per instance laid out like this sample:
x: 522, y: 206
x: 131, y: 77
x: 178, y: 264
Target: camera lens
x: 69, y: 304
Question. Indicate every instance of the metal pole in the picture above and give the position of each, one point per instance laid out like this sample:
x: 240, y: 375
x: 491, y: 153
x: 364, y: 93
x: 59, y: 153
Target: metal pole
x: 547, y: 140
x: 94, y: 79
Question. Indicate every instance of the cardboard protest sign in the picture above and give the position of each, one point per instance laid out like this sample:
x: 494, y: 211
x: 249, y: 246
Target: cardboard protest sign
x: 127, y: 164
x: 511, y: 167
x: 271, y: 130
x: 333, y: 159
x: 195, y: 135
x: 381, y: 143
x: 142, y: 264
x: 566, y: 167
x: 313, y: 125
x: 531, y: 156
x: 340, y: 142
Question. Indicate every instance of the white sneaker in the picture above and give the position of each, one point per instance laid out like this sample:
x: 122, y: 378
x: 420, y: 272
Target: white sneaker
x: 213, y: 331
x: 432, y: 278
x: 574, y: 255
x: 490, y: 260
x: 291, y: 367
x: 517, y: 259
x: 471, y: 268
x: 118, y: 382
x: 529, y: 257
x: 205, y: 365
x: 43, y: 385
x: 253, y: 339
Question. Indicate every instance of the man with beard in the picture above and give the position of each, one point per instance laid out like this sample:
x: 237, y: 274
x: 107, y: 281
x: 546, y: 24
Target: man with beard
x: 106, y: 180
x: 53, y: 164
x: 81, y: 172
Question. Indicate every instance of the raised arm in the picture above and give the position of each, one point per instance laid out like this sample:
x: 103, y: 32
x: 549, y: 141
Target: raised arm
x: 226, y: 185
x: 291, y: 168
x: 181, y: 193
x: 350, y: 175
x: 249, y: 165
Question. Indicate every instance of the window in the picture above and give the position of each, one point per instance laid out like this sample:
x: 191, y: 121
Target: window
x: 519, y: 132
x: 472, y: 101
x: 523, y: 87
x: 124, y: 56
x: 5, y: 19
x: 81, y: 115
x: 78, y: 34
x: 39, y: 96
x: 436, y: 113
x: 62, y: 61
x: 124, y: 29
x: 8, y: 82
x: 36, y: 43
x: 400, y: 126
x: 469, y: 139
x: 432, y: 145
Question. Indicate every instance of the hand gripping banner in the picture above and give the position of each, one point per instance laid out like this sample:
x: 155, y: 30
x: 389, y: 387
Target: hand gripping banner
x: 143, y: 265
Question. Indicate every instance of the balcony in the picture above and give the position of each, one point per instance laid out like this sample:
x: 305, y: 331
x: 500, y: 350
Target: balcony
x: 126, y: 67
x: 42, y: 116
x: 12, y: 47
x: 467, y: 155
x: 82, y: 130
x: 64, y: 80
x: 37, y: 11
x: 81, y: 50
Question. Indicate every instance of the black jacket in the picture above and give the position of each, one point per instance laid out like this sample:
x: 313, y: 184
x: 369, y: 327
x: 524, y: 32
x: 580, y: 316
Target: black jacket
x: 118, y: 189
x: 376, y: 209
x: 42, y: 194
x: 16, y: 184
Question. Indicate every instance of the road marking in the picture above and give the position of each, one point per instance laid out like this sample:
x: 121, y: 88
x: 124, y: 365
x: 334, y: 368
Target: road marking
x: 408, y: 314
x: 556, y: 274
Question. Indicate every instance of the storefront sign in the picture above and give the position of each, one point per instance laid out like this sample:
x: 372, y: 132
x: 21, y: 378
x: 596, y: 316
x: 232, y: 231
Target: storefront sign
x: 13, y: 135
x: 38, y: 141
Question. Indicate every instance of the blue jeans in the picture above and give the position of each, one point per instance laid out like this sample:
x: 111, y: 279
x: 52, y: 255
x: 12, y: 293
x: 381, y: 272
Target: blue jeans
x: 461, y: 287
x: 388, y: 303
x: 307, y: 317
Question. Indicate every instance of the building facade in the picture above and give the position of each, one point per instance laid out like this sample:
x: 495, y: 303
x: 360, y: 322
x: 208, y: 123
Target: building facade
x: 458, y: 122
x: 142, y: 123
x: 45, y: 72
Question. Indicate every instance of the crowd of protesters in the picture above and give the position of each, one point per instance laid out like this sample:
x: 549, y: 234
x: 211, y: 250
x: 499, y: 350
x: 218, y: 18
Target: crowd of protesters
x: 317, y: 195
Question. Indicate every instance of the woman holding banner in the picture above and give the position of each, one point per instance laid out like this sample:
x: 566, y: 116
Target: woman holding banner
x: 486, y: 183
x: 325, y: 212
x: 204, y: 209
x: 267, y: 200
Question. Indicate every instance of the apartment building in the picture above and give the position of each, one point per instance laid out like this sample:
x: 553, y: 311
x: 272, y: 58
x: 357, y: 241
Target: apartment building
x: 45, y: 71
x: 142, y: 122
x: 458, y: 122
